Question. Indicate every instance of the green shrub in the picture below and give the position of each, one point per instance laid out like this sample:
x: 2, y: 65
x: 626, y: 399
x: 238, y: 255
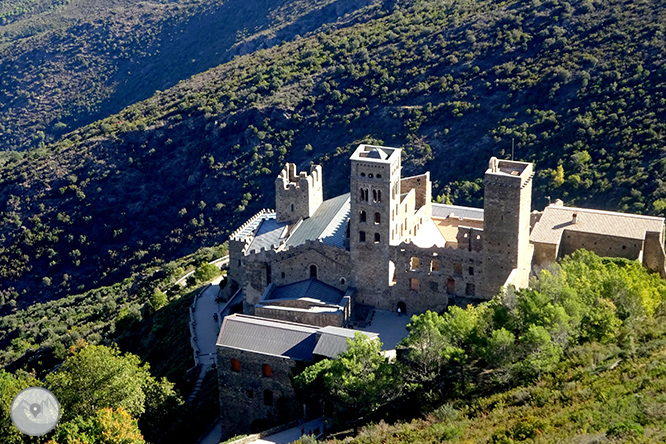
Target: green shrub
x: 625, y: 430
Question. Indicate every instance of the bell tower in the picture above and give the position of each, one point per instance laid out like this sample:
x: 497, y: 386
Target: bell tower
x: 374, y: 199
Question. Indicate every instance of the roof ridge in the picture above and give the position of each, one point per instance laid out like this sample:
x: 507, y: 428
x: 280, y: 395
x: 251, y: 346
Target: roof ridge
x: 611, y: 213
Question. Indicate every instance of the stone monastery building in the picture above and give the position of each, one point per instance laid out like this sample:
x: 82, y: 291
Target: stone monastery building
x: 302, y: 268
x: 387, y: 245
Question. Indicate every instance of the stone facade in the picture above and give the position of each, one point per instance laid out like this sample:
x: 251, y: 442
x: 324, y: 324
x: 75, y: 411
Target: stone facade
x: 251, y: 400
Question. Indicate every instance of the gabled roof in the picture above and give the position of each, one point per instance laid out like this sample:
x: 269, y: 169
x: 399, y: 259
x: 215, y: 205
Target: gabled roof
x: 556, y: 219
x: 333, y: 341
x: 308, y: 289
x: 281, y: 338
x: 268, y: 336
x: 328, y: 224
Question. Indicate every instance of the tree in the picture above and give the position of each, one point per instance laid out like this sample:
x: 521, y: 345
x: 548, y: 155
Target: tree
x: 423, y: 350
x: 107, y: 426
x: 158, y: 299
x: 10, y: 386
x: 205, y: 273
x: 358, y: 382
x: 96, y: 377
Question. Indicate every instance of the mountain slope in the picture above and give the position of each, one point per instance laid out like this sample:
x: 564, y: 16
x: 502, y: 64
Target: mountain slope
x: 580, y: 87
x: 81, y: 61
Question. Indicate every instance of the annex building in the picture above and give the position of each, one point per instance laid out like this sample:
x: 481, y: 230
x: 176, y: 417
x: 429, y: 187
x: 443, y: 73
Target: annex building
x: 303, y: 267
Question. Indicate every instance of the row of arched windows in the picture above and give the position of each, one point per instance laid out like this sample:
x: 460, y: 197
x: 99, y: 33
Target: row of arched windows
x: 364, y: 195
x: 362, y: 237
x: 364, y: 217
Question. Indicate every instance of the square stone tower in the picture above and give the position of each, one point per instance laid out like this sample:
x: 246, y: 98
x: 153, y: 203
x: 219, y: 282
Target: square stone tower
x: 507, y: 253
x: 373, y: 225
x: 297, y: 195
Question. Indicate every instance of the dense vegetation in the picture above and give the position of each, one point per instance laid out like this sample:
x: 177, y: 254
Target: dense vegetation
x: 578, y: 85
x: 577, y: 357
x: 67, y: 63
x: 113, y: 389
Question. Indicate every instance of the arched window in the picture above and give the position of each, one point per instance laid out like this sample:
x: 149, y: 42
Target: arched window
x: 363, y: 216
x: 377, y: 238
x: 379, y: 195
x: 450, y: 286
x: 343, y: 281
x: 361, y: 236
x: 414, y: 263
x: 363, y: 197
x: 235, y: 365
x: 374, y: 195
x: 434, y: 265
x: 267, y: 370
x: 313, y: 271
x: 378, y: 218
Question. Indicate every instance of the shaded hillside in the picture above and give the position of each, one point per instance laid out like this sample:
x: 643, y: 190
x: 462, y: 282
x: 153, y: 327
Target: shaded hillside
x: 579, y: 86
x: 65, y: 64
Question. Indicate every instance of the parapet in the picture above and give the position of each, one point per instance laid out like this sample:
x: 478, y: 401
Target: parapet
x: 290, y: 179
x: 508, y: 173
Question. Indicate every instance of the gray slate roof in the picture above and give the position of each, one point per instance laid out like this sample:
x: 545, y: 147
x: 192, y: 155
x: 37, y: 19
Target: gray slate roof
x: 333, y: 341
x: 556, y: 219
x: 268, y: 234
x: 282, y: 338
x: 268, y: 336
x: 443, y: 211
x: 310, y: 288
x: 328, y: 224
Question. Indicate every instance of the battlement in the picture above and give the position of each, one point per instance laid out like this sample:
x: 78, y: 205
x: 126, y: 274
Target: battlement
x: 298, y: 195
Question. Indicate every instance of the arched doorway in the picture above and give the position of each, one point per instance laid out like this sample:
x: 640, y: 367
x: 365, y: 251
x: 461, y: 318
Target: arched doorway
x: 402, y: 308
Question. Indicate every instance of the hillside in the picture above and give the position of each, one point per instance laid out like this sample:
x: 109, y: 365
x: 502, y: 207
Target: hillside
x: 579, y: 86
x: 67, y: 63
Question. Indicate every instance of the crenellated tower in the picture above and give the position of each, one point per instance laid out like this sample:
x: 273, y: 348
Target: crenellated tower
x: 297, y: 195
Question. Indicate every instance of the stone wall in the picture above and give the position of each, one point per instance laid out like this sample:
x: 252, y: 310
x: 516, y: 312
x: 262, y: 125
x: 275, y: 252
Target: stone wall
x: 249, y: 400
x: 422, y: 188
x: 603, y: 245
x: 544, y: 255
x: 425, y: 278
x: 654, y: 257
x: 302, y: 316
x: 332, y: 264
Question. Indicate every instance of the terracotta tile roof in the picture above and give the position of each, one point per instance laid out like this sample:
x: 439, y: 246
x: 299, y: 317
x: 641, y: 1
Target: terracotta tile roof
x: 556, y: 219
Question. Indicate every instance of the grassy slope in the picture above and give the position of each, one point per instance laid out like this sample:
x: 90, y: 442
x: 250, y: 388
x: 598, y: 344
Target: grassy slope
x: 580, y: 85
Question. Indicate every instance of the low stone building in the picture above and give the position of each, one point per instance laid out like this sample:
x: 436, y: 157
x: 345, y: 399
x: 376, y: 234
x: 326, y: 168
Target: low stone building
x: 256, y: 358
x: 562, y: 230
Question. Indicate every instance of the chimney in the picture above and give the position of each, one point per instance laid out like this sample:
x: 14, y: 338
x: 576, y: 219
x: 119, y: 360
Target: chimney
x: 574, y: 218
